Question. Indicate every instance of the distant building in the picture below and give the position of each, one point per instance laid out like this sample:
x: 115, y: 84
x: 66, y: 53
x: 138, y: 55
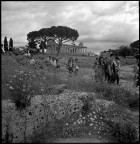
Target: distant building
x: 66, y: 48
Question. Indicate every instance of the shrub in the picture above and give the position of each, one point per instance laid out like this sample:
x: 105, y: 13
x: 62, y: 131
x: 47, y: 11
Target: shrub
x: 22, y: 60
x: 106, y: 91
x: 122, y: 132
x: 22, y: 88
x: 38, y: 65
x: 18, y: 52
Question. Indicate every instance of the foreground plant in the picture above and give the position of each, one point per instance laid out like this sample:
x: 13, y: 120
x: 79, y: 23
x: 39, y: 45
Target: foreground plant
x: 22, y: 88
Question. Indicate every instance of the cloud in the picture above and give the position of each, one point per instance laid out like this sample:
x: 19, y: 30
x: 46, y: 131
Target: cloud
x: 98, y: 22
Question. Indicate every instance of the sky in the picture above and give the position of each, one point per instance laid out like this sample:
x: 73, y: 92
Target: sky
x: 101, y: 25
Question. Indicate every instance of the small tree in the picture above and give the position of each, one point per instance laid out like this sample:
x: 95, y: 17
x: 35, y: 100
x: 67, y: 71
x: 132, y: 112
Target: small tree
x: 31, y: 44
x: 10, y: 44
x: 5, y: 44
x: 32, y: 38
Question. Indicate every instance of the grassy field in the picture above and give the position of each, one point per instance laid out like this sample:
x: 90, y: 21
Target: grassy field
x: 37, y: 78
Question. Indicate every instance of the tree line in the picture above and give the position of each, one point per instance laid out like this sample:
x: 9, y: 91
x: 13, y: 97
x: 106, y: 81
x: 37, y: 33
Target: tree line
x: 7, y: 46
x: 131, y: 50
x: 59, y: 34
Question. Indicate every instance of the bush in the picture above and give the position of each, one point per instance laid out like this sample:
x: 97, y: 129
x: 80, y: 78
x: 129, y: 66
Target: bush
x: 22, y: 88
x: 18, y: 52
x: 106, y: 91
x: 22, y: 60
x: 122, y: 132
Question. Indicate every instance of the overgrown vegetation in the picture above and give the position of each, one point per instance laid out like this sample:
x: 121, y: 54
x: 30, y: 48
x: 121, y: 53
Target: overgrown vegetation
x: 106, y: 91
x: 26, y: 81
x: 22, y: 89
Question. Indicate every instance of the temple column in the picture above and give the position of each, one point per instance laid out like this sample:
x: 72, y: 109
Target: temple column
x: 79, y: 51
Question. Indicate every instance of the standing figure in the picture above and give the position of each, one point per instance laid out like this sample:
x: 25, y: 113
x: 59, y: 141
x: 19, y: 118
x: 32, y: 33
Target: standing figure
x: 76, y: 67
x: 118, y: 68
x: 70, y: 65
x: 57, y: 64
x: 115, y: 68
x: 136, y: 77
x: 32, y: 60
x: 106, y: 70
x: 98, y: 67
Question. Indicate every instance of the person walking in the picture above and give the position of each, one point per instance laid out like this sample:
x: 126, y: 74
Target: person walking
x: 70, y: 65
x: 117, y: 69
x: 98, y: 67
x: 76, y: 67
x: 108, y: 69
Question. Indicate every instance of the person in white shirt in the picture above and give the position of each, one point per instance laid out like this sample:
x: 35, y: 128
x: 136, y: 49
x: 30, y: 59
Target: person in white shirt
x: 32, y: 61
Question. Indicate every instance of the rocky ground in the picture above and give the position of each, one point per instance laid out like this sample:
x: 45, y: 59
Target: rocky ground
x: 66, y: 108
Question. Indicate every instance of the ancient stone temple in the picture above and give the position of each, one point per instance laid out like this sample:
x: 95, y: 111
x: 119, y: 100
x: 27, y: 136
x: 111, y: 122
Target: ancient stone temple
x: 66, y: 48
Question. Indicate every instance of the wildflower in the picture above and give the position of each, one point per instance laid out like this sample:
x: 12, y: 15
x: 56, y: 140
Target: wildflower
x: 74, y: 123
x: 95, y: 116
x: 80, y: 115
x: 67, y: 124
x: 20, y: 72
x: 92, y: 119
x: 11, y: 87
x: 78, y: 121
x: 91, y: 124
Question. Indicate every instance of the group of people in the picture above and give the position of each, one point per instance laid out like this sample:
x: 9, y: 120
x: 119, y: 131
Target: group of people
x: 54, y: 61
x: 136, y: 77
x: 72, y: 66
x: 30, y: 57
x: 107, y: 69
